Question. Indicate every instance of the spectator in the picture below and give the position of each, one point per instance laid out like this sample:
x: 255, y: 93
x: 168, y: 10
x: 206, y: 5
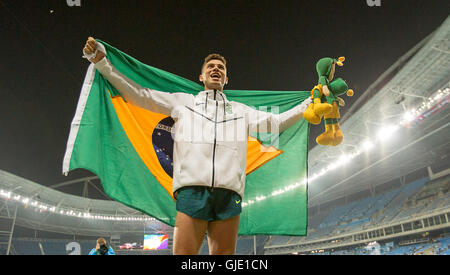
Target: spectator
x: 102, y: 248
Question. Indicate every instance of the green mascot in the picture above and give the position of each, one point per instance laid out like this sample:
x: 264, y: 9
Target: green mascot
x: 326, y: 101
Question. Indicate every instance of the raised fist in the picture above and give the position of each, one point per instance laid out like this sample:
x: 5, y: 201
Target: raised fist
x: 90, y: 48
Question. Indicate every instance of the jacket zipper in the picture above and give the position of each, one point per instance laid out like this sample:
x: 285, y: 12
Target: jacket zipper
x: 215, y: 140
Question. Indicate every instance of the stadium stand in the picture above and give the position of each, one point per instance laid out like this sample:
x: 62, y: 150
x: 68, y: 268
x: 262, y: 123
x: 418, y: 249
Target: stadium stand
x: 439, y: 246
x: 244, y: 245
x: 401, y: 189
x: 416, y: 198
x: 26, y: 246
x: 363, y: 213
x: 419, y: 197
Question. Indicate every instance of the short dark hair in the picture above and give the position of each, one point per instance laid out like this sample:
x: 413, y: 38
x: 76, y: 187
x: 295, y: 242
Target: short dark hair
x: 214, y: 56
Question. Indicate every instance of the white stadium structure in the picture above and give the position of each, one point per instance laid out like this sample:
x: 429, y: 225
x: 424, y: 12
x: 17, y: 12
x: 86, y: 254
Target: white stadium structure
x: 389, y: 193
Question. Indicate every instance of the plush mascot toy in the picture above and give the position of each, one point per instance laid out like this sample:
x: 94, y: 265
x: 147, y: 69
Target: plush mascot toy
x: 326, y: 101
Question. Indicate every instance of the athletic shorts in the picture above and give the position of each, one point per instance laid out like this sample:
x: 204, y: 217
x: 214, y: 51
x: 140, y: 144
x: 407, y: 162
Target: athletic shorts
x: 210, y: 204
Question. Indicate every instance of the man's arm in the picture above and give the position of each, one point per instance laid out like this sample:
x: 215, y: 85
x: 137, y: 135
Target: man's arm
x: 155, y: 101
x: 260, y: 121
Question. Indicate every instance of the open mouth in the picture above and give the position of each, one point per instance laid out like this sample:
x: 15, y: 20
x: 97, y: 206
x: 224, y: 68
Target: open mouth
x: 215, y: 76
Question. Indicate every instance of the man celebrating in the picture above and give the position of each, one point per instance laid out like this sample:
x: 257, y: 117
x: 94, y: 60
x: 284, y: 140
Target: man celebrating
x: 210, y: 146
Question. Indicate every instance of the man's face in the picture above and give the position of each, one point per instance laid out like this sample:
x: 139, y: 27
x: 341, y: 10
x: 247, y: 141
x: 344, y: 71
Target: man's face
x: 214, y: 75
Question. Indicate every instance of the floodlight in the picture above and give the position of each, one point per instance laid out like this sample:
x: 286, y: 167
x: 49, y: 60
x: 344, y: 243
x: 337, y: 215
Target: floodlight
x: 344, y: 159
x: 386, y: 132
x: 367, y: 145
x: 408, y: 116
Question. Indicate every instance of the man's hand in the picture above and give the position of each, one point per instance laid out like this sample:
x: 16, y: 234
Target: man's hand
x: 304, y: 105
x: 325, y: 90
x: 90, y: 48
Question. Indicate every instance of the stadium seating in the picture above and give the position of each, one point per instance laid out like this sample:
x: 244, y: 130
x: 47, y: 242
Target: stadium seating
x: 395, y: 207
x: 279, y: 240
x: 433, y: 247
x: 25, y: 247
x: 356, y: 215
x: 244, y: 246
x: 418, y: 197
x: 49, y: 247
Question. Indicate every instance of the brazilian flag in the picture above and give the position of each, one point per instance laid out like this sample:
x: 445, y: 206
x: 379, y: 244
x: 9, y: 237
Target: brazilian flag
x: 130, y: 150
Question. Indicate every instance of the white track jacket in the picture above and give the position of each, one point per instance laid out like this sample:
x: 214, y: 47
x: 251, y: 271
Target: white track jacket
x: 210, y: 133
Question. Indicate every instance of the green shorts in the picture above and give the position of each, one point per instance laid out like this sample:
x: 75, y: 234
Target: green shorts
x: 209, y: 204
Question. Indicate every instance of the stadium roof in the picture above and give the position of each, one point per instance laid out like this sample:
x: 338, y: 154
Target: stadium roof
x: 43, y: 208
x: 412, y: 82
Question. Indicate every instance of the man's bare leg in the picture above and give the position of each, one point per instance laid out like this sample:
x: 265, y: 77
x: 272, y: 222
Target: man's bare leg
x: 222, y: 236
x: 188, y: 234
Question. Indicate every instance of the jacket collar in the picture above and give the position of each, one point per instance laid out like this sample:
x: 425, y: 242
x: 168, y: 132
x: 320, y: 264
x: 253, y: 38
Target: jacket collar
x: 213, y: 95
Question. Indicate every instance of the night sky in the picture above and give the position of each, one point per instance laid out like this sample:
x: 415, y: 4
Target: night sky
x: 269, y: 45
